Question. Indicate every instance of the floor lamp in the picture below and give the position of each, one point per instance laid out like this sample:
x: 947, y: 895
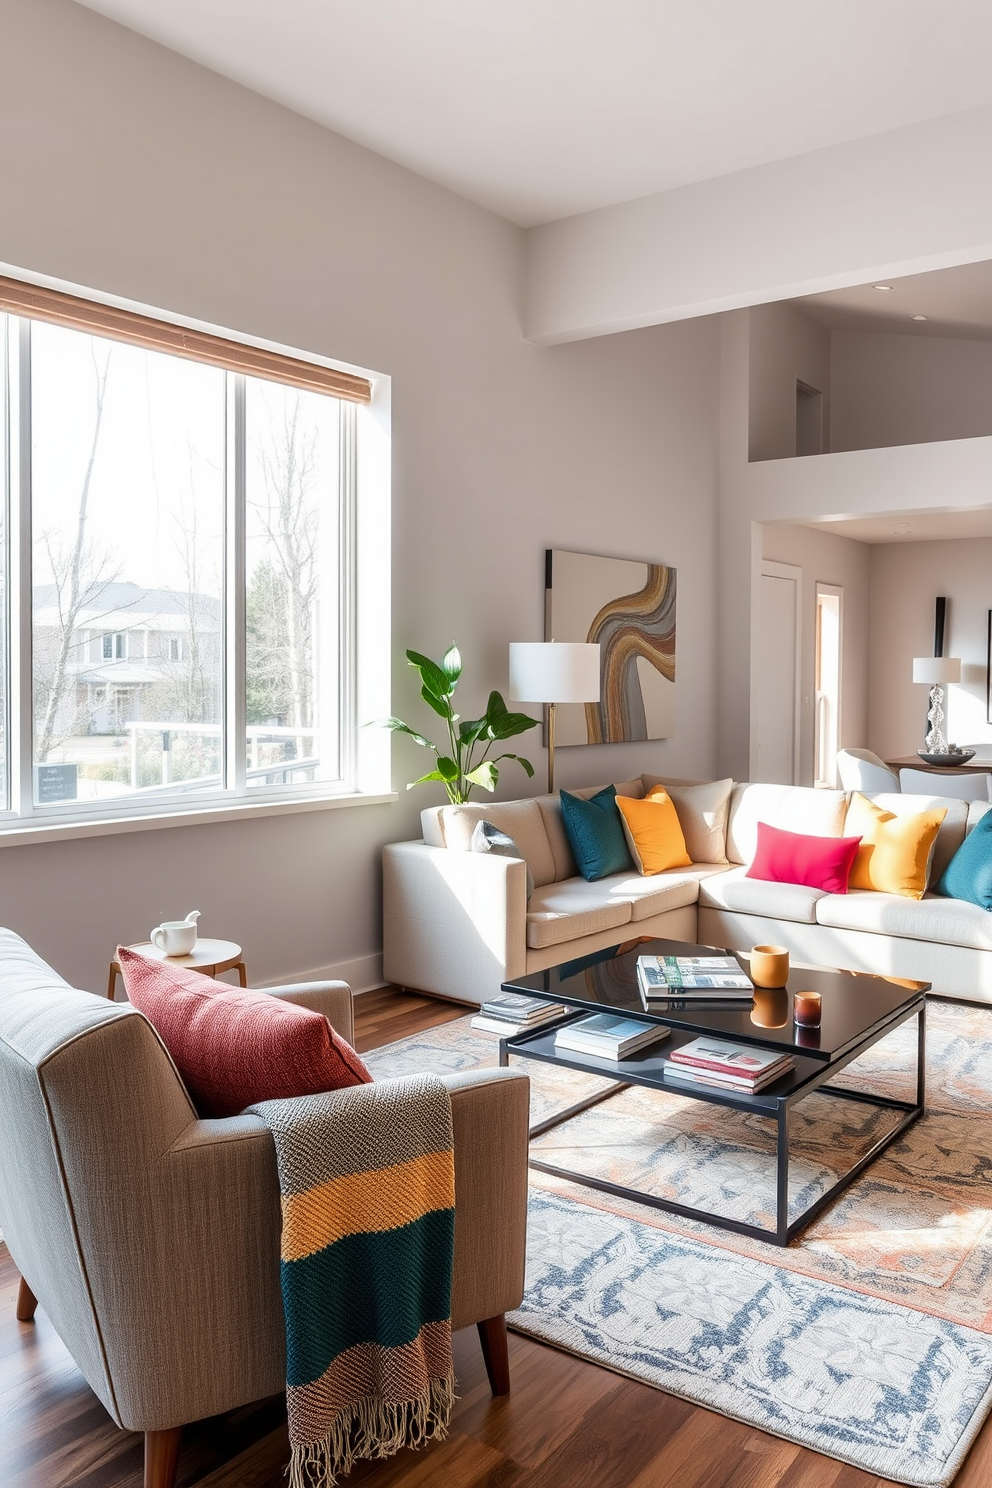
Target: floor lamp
x: 553, y: 672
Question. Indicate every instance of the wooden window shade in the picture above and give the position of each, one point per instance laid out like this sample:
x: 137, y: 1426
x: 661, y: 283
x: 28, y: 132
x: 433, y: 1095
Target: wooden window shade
x: 39, y: 303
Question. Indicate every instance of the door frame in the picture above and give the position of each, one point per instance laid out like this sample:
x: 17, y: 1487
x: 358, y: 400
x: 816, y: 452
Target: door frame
x: 834, y: 591
x: 768, y: 568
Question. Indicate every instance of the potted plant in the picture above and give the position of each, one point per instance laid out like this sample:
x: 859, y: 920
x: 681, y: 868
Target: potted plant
x: 457, y: 766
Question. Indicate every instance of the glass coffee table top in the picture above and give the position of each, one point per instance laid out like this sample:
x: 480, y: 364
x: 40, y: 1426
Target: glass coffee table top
x: 852, y: 1002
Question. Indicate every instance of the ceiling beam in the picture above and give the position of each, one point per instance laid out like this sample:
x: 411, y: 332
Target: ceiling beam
x: 903, y: 202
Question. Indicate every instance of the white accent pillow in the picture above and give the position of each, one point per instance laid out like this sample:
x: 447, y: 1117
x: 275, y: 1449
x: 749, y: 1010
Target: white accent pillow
x: 702, y: 811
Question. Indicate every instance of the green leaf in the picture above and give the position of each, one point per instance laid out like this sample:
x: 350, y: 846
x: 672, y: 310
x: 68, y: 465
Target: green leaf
x: 485, y: 775
x: 400, y: 727
x: 431, y: 775
x: 447, y: 768
x: 505, y: 726
x: 451, y: 664
x: 431, y: 675
x: 525, y: 764
x: 439, y: 704
x: 470, y: 729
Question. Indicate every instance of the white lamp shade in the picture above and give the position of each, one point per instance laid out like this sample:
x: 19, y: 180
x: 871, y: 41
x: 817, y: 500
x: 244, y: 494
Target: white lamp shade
x: 554, y: 672
x: 936, y: 669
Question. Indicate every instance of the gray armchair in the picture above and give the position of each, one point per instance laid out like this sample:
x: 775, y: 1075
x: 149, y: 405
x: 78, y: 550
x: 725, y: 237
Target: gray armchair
x: 151, y: 1237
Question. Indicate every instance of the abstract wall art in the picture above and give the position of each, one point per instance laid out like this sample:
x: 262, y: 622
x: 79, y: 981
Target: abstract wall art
x: 628, y: 607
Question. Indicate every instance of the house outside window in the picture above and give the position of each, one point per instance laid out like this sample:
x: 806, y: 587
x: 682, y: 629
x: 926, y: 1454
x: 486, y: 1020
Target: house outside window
x: 192, y: 578
x: 115, y: 646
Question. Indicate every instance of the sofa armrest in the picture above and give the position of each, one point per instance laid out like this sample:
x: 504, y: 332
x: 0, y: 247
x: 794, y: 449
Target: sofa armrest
x: 490, y: 1111
x: 333, y: 999
x: 454, y: 923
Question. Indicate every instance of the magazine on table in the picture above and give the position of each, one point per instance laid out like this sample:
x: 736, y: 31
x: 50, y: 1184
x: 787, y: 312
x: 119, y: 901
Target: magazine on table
x: 608, y: 1035
x: 729, y: 1058
x: 690, y: 1075
x: 660, y: 976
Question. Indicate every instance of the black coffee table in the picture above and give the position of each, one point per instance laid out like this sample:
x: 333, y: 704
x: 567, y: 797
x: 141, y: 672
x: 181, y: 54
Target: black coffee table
x: 858, y: 1011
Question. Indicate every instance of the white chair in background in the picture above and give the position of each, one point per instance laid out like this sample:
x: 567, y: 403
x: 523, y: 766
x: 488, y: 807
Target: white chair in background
x: 963, y: 787
x: 863, y: 771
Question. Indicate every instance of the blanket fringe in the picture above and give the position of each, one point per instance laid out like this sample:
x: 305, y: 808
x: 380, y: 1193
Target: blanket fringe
x: 373, y: 1428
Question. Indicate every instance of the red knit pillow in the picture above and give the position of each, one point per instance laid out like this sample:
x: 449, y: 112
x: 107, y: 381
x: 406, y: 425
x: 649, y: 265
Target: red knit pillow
x: 233, y: 1047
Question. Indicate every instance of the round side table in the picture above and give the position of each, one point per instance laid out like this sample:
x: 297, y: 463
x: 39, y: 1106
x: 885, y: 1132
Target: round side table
x: 209, y: 956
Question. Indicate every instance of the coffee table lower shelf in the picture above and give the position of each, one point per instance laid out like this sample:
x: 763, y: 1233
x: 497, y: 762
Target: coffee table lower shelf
x: 645, y: 1070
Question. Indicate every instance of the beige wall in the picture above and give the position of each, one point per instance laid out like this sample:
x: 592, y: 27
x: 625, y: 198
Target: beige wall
x: 826, y: 559
x: 898, y: 389
x: 129, y: 170
x: 785, y: 347
x: 905, y: 580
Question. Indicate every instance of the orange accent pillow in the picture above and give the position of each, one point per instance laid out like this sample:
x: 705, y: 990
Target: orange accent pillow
x: 895, y: 852
x: 233, y: 1047
x: 653, y: 831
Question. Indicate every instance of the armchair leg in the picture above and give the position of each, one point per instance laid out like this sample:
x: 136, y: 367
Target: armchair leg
x: 161, y: 1457
x: 26, y: 1303
x: 492, y: 1336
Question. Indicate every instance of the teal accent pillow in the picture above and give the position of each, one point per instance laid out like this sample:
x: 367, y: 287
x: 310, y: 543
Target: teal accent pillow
x: 968, y: 875
x: 595, y: 833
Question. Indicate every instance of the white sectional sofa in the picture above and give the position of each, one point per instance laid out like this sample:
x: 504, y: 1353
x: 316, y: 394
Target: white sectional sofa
x: 458, y: 923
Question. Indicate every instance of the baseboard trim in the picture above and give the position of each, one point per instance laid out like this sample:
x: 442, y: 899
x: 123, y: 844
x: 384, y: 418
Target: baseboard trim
x: 362, y: 973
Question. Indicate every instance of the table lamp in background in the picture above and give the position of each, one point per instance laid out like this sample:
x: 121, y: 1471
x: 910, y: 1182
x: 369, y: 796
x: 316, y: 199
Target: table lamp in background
x: 936, y: 672
x: 553, y: 672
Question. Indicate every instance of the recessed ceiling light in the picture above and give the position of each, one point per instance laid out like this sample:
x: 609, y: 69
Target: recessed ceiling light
x: 901, y: 530
x: 919, y: 317
x: 882, y: 288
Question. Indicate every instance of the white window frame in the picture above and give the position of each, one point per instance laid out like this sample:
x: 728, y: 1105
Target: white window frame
x: 364, y: 624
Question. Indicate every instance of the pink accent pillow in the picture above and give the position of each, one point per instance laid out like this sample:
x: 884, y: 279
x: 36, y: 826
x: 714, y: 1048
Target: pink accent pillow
x: 790, y: 857
x: 233, y: 1047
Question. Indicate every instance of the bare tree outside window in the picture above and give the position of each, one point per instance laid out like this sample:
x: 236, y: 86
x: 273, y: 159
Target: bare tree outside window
x: 292, y: 508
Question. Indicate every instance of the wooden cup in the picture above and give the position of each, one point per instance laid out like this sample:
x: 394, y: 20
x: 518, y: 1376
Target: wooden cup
x: 769, y: 965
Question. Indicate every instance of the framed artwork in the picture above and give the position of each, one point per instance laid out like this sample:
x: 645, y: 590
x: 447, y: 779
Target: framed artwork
x: 628, y: 607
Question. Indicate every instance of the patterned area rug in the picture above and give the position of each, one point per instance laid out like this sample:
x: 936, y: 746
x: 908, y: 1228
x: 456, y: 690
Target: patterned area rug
x: 868, y: 1339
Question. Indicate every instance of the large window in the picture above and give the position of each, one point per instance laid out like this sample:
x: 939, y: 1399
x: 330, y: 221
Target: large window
x: 176, y: 557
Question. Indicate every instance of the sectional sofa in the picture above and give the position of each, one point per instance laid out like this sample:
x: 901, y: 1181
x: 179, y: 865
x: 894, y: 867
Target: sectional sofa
x: 458, y: 923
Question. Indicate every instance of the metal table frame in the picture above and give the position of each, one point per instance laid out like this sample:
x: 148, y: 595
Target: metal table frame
x: 775, y: 1107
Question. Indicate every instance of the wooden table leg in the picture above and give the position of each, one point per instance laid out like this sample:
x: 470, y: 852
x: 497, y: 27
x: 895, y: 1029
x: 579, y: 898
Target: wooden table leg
x: 27, y: 1302
x: 115, y: 972
x: 242, y: 971
x: 161, y: 1457
x: 492, y: 1336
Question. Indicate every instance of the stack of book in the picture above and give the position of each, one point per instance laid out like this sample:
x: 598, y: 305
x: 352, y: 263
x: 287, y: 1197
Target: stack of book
x: 608, y: 1036
x: 716, y: 977
x: 710, y: 1061
x: 512, y: 1012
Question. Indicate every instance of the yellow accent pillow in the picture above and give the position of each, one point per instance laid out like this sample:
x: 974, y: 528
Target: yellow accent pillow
x: 653, y: 831
x: 895, y: 852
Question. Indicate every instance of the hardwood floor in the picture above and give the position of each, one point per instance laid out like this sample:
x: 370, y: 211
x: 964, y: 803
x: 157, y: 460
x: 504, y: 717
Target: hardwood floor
x: 566, y: 1424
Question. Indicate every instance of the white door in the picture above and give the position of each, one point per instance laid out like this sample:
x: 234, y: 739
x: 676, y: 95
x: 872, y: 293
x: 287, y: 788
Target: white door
x: 774, y: 679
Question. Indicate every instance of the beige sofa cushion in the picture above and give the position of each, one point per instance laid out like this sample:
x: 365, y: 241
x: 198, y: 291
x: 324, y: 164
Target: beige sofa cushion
x: 550, y: 808
x: 565, y: 911
x: 976, y: 810
x: 946, y: 921
x: 735, y: 892
x: 793, y: 808
x: 703, y: 811
x: 521, y: 820
x: 952, y: 829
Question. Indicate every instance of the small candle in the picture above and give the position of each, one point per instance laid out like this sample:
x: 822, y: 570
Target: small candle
x: 806, y: 1007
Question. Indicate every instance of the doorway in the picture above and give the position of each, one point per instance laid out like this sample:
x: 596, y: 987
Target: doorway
x: 827, y: 683
x: 809, y: 419
x: 775, y: 656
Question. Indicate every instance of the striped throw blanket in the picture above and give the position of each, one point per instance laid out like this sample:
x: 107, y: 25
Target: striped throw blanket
x: 368, y: 1224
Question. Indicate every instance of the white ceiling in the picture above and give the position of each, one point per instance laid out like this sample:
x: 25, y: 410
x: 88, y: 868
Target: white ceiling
x: 956, y: 302
x: 539, y: 109
x: 919, y: 526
